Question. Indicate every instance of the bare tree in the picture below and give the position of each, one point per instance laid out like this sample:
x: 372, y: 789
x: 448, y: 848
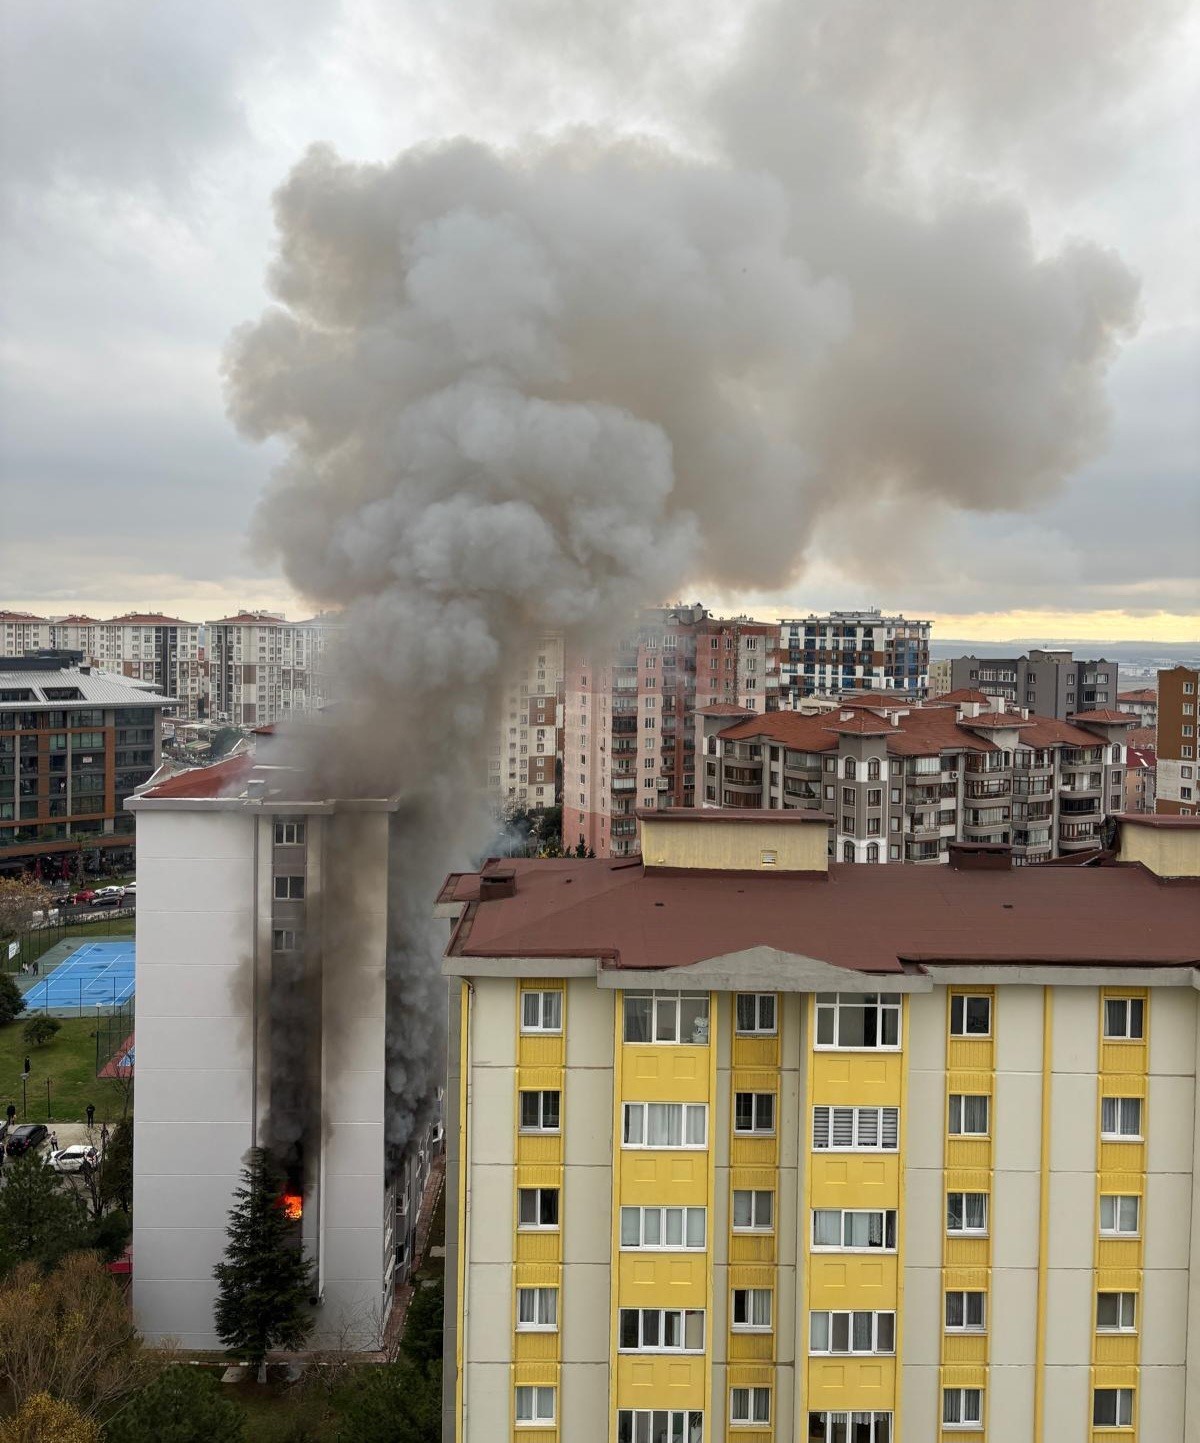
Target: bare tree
x: 20, y: 898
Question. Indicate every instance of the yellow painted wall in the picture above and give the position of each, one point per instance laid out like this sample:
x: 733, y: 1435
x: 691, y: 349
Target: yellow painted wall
x: 737, y: 846
x: 1166, y: 851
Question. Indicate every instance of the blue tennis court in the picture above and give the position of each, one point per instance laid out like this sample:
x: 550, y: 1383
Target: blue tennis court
x: 95, y: 974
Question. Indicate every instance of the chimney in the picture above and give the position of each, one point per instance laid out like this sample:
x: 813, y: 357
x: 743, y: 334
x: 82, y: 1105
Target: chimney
x: 493, y: 886
x: 256, y: 787
x: 980, y: 856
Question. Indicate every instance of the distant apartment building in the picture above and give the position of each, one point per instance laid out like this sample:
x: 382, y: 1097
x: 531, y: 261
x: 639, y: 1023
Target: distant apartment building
x: 901, y: 784
x: 940, y: 678
x: 1050, y: 683
x: 844, y: 651
x: 21, y: 631
x: 1141, y: 769
x: 629, y: 716
x: 262, y: 666
x: 75, y: 742
x: 1143, y: 704
x: 155, y: 648
x: 1177, y: 786
x: 523, y: 758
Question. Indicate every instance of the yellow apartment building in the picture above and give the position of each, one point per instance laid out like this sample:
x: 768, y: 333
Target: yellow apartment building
x: 744, y: 1145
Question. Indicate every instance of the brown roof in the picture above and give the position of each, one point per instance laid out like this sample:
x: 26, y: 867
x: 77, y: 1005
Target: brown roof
x: 872, y: 919
x: 249, y: 618
x: 148, y: 618
x: 1146, y: 694
x: 1140, y: 758
x: 1141, y: 737
x: 1105, y: 716
x: 965, y: 693
x: 21, y: 616
x: 1158, y: 819
x: 219, y: 780
x: 77, y: 621
x: 724, y: 708
x: 861, y: 724
x: 998, y: 720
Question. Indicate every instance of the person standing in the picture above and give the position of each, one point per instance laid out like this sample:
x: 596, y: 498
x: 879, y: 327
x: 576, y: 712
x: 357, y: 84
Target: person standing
x: 53, y: 1142
x: 91, y: 1115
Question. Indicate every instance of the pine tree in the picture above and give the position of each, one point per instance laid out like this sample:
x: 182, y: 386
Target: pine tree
x: 265, y: 1281
x: 115, y: 1182
x: 40, y: 1221
x: 181, y: 1405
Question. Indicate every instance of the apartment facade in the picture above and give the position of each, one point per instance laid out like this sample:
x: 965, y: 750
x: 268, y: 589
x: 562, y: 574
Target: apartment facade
x: 903, y: 784
x: 748, y: 1147
x: 246, y: 1037
x: 1050, y: 683
x: 844, y: 651
x: 21, y: 631
x: 629, y: 716
x: 524, y: 757
x: 74, y: 744
x: 1178, y: 792
x: 941, y: 678
x: 262, y: 667
x: 1141, y: 769
x: 1143, y: 703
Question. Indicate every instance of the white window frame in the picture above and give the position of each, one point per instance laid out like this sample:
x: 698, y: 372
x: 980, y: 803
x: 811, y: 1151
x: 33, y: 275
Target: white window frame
x: 966, y: 1326
x: 1126, y: 1312
x: 679, y: 1316
x: 885, y: 1005
x: 542, y: 1006
x: 957, y: 1108
x: 641, y: 1110
x: 1119, y: 1109
x: 536, y: 1396
x: 877, y: 1416
x: 541, y: 1093
x: 285, y: 887
x: 663, y: 1214
x: 297, y: 831
x: 870, y: 1129
x: 760, y: 1003
x: 753, y: 1226
x: 964, y: 1230
x: 1122, y: 1408
x: 539, y: 1227
x: 1117, y: 1205
x: 1128, y: 1006
x: 679, y: 1423
x: 831, y: 1326
x: 751, y: 1305
x: 286, y: 939
x: 760, y: 1103
x: 887, y: 1228
x: 544, y: 1310
x: 668, y: 1006
x: 750, y: 1407
x: 960, y: 1003
x: 957, y: 1402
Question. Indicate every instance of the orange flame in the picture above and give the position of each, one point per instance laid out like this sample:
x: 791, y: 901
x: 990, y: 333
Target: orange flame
x: 293, y: 1206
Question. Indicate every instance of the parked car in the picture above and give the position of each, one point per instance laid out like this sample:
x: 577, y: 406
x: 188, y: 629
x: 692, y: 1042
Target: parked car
x: 29, y: 1135
x: 130, y: 890
x: 83, y: 896
x: 108, y: 897
x: 79, y: 1157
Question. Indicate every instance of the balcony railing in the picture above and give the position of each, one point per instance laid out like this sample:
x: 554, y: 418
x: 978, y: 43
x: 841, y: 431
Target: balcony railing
x: 999, y: 787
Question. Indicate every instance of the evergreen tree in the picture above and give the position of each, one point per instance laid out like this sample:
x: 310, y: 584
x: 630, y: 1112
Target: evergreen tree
x: 397, y: 1403
x: 422, y: 1340
x: 12, y: 1001
x: 182, y: 1405
x: 265, y: 1281
x: 116, y: 1172
x: 40, y: 1221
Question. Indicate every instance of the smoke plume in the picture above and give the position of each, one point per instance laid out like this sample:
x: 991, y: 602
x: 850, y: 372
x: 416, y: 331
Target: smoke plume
x: 546, y: 384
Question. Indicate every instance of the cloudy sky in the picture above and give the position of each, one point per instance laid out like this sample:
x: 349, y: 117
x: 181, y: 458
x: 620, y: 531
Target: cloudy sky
x: 143, y: 140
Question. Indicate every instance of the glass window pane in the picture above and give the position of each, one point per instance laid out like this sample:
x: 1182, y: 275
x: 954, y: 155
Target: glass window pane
x: 742, y: 1202
x: 979, y: 1015
x: 766, y: 1012
x: 630, y: 1227
x: 634, y: 1123
x: 637, y: 1018
x: 552, y: 1011
x: 827, y: 1228
x: 854, y: 1030
x: 745, y: 1012
x: 839, y: 1333
x: 666, y: 1019
x: 695, y: 1227
x: 1108, y: 1114
x: 1114, y: 1017
x: 530, y: 1011
x: 954, y: 1310
x: 861, y: 1326
x: 818, y: 1332
x: 825, y: 1020
x: 956, y: 1015
x: 974, y: 1310
x: 525, y: 1305
x: 693, y: 1331
x: 696, y: 1121
x: 1107, y: 1310
x: 764, y: 1209
x: 674, y: 1219
x: 652, y: 1227
x: 891, y: 1027
x: 885, y: 1332
x: 1135, y: 1017
x: 527, y: 1206
x: 693, y: 1019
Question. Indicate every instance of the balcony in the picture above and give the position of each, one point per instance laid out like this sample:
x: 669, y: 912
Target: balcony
x: 743, y: 776
x: 624, y: 784
x: 921, y: 852
x: 1087, y: 807
x: 998, y: 787
x: 1080, y: 787
x: 800, y: 792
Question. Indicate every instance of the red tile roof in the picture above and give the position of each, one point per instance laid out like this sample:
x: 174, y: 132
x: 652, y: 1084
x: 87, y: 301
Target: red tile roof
x: 1140, y: 758
x: 1105, y: 716
x: 724, y: 708
x: 1147, y: 694
x: 998, y: 721
x: 249, y: 618
x: 147, y: 618
x: 1141, y: 737
x: 220, y: 780
x: 862, y: 724
x: 21, y: 616
x: 964, y: 693
x: 77, y: 621
x: 872, y: 919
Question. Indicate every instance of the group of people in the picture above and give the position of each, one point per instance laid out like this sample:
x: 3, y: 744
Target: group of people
x: 30, y: 968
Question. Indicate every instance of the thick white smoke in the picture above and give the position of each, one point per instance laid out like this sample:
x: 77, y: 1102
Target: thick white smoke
x: 544, y: 385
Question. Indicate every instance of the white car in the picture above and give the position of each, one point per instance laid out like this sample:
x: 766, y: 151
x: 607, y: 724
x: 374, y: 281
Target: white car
x: 79, y: 1157
x: 107, y: 897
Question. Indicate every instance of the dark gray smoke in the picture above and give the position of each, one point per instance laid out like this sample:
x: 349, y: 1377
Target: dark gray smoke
x: 549, y: 384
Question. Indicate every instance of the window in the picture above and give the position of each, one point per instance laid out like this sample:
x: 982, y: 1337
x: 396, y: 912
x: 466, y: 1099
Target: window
x: 843, y: 1229
x: 1123, y: 1017
x: 965, y: 1312
x: 966, y: 1212
x: 540, y: 1111
x: 970, y: 1016
x: 873, y: 770
x: 660, y: 1425
x: 753, y: 1211
x: 858, y: 1020
x: 962, y: 1407
x: 847, y: 847
x: 969, y: 1114
x: 661, y: 1330
x: 751, y: 1309
x: 856, y: 1129
x: 680, y: 1017
x: 749, y: 1406
x: 283, y: 939
x: 664, y: 1228
x: 872, y: 851
x: 537, y: 1207
x: 665, y: 1124
x: 1112, y: 1408
x: 1121, y: 1118
x: 537, y: 1310
x: 848, y: 801
x: 1119, y: 1214
x: 1116, y: 1312
x: 289, y: 834
x: 851, y: 772
x: 856, y: 1427
x: 541, y: 1011
x: 535, y: 1406
x: 754, y: 1112
x: 289, y: 889
x: 756, y: 1014
x: 864, y: 1332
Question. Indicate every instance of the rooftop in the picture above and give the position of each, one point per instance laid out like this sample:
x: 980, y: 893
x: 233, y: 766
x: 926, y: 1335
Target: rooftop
x: 85, y: 685
x: 1147, y: 694
x: 1106, y: 716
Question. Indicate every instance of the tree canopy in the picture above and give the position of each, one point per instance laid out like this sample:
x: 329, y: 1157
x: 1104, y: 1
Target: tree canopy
x: 182, y: 1404
x: 40, y: 1221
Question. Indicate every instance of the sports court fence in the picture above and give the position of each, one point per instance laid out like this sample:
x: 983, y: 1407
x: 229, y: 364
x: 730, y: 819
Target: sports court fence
x: 26, y: 949
x: 114, y: 1040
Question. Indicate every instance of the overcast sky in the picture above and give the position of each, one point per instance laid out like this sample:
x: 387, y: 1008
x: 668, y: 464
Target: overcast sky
x: 143, y: 139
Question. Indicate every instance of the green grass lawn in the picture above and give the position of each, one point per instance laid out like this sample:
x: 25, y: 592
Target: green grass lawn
x: 69, y: 1061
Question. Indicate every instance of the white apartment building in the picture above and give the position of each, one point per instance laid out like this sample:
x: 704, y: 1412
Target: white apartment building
x: 21, y: 631
x: 525, y: 752
x: 261, y: 666
x: 850, y: 651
